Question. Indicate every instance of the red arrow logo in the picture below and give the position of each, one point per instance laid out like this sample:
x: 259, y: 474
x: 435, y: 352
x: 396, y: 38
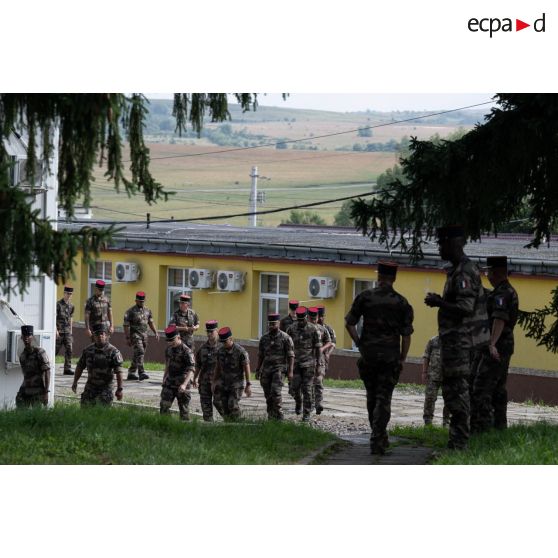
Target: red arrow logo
x: 519, y: 25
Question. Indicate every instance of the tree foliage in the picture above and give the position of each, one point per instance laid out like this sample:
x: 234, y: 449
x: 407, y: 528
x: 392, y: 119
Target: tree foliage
x: 92, y: 129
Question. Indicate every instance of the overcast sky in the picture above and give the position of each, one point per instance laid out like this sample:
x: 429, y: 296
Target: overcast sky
x: 349, y: 102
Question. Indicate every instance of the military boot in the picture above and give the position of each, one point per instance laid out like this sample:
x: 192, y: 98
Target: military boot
x: 132, y: 376
x: 143, y: 376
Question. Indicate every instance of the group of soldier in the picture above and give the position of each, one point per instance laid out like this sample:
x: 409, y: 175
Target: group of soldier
x: 469, y: 358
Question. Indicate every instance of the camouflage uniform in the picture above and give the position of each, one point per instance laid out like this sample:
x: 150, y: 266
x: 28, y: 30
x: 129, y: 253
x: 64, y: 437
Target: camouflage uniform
x: 433, y: 381
x: 318, y: 383
x: 64, y: 313
x: 490, y: 397
x: 34, y: 364
x: 102, y: 363
x: 98, y: 308
x: 137, y: 319
x: 306, y: 339
x: 461, y: 332
x: 185, y: 319
x: 231, y: 363
x: 386, y: 317
x: 206, y: 360
x: 180, y: 361
x: 286, y: 323
x: 275, y: 349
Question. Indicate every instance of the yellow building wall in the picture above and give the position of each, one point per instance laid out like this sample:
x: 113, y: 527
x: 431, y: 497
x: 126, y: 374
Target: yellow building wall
x: 240, y: 310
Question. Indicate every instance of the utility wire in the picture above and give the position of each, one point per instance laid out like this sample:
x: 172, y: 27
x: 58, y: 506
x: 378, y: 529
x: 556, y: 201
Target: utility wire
x: 200, y: 154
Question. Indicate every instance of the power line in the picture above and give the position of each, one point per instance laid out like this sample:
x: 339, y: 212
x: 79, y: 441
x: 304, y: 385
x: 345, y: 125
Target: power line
x: 247, y: 214
x: 201, y: 154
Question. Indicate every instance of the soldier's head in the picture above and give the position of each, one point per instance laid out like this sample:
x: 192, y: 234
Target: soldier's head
x: 211, y: 328
x: 27, y: 335
x: 68, y: 292
x: 321, y: 314
x: 293, y: 305
x: 387, y: 272
x: 99, y: 287
x: 496, y: 269
x: 451, y: 241
x: 313, y: 314
x: 100, y: 334
x: 225, y: 337
x: 301, y: 316
x: 140, y: 299
x: 273, y: 322
x: 184, y: 302
x: 171, y: 333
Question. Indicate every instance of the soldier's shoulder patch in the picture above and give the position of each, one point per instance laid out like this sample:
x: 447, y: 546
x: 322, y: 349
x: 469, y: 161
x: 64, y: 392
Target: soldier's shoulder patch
x: 500, y: 301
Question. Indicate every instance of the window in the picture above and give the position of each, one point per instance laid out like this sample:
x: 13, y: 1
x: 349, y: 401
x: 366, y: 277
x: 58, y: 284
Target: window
x: 274, y: 297
x: 177, y: 284
x: 359, y: 286
x: 101, y: 270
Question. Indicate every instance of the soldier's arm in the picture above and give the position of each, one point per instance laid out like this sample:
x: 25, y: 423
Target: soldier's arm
x: 86, y: 319
x: 189, y: 376
x: 196, y: 325
x: 246, y: 367
x: 497, y: 327
x: 405, y: 344
x: 109, y: 314
x: 119, y: 389
x: 46, y: 373
x: 290, y: 358
x: 326, y: 342
x: 351, y: 320
x: 151, y: 325
x: 352, y: 330
x: 260, y: 360
x: 127, y: 332
x: 426, y: 359
x: 198, y: 368
x: 77, y: 372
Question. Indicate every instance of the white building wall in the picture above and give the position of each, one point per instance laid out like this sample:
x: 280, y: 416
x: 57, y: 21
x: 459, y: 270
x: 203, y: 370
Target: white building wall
x: 37, y: 306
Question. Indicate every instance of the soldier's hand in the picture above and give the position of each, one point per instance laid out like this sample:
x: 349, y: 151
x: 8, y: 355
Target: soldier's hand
x: 248, y: 390
x: 433, y: 300
x: 45, y: 398
x: 128, y: 342
x: 258, y: 373
x: 118, y: 394
x: 494, y: 352
x: 74, y: 387
x: 57, y: 334
x: 111, y: 329
x: 88, y: 332
x: 182, y: 388
x: 157, y: 336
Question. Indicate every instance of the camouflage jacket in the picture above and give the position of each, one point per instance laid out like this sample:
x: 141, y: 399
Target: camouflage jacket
x: 274, y: 351
x: 206, y: 360
x: 180, y: 319
x: 64, y: 313
x: 138, y: 318
x: 102, y: 363
x: 333, y: 337
x: 306, y: 340
x: 231, y: 363
x: 325, y: 338
x: 503, y: 303
x: 286, y: 322
x: 432, y: 354
x: 467, y: 326
x: 98, y: 308
x: 386, y: 317
x: 34, y: 363
x: 179, y: 361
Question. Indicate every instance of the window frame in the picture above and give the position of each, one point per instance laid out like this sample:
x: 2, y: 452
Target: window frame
x: 277, y: 297
x: 173, y: 290
x: 91, y: 279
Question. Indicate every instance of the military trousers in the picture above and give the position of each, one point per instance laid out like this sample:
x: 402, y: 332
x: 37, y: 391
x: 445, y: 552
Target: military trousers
x: 65, y: 340
x: 231, y: 394
x: 210, y: 399
x: 380, y: 378
x: 30, y: 397
x: 272, y: 385
x: 169, y: 393
x: 490, y: 397
x: 301, y: 388
x: 433, y: 385
x: 139, y: 345
x: 93, y: 395
x: 318, y: 386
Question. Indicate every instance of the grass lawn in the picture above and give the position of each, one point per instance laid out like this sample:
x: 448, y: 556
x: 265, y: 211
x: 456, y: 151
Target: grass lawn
x: 69, y: 435
x: 533, y: 444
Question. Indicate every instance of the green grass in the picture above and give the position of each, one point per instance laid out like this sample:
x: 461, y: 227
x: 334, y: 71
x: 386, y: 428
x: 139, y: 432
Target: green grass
x: 352, y: 384
x: 518, y: 445
x: 67, y: 434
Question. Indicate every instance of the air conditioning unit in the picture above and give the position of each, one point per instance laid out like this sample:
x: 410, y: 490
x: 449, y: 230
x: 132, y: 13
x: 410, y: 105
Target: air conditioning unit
x: 230, y: 280
x: 14, y: 346
x: 201, y: 278
x: 322, y: 287
x: 126, y: 272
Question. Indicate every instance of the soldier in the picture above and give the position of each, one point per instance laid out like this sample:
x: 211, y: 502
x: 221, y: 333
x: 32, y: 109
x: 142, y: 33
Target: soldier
x: 186, y: 321
x: 432, y: 375
x: 290, y: 318
x: 206, y: 360
x: 307, y: 344
x: 318, y: 386
x: 136, y: 321
x: 64, y: 313
x: 463, y: 327
x: 275, y: 355
x: 233, y: 371
x: 103, y: 361
x: 321, y: 321
x: 36, y: 372
x: 490, y: 397
x: 383, y: 345
x: 179, y: 371
x: 98, y: 310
